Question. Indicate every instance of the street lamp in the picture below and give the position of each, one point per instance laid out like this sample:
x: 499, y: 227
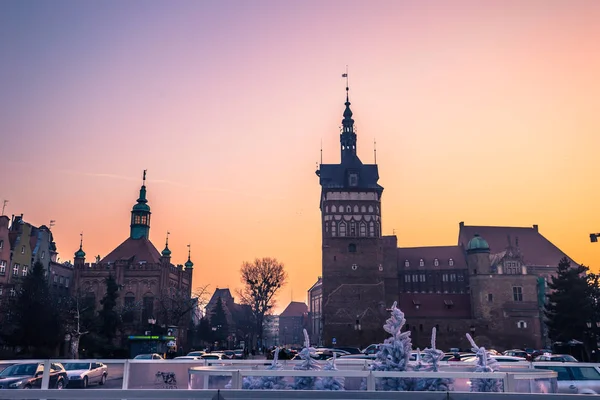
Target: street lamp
x: 594, y: 237
x: 357, y: 326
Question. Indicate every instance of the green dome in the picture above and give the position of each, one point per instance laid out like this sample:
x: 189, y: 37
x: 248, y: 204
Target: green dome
x: 141, y: 207
x: 478, y: 244
x: 80, y: 253
x: 166, y: 252
x: 189, y: 264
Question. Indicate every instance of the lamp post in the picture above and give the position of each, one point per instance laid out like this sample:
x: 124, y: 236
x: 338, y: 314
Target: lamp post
x: 358, y: 329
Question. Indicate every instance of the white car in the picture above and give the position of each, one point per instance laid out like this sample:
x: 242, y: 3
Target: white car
x: 83, y: 374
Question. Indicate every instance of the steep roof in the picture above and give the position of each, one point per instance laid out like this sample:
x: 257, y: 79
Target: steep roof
x: 429, y: 254
x: 536, y: 249
x: 294, y: 309
x: 140, y: 249
x: 335, y: 176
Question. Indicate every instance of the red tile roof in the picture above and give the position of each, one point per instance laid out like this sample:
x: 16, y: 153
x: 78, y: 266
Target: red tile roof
x: 429, y: 254
x: 140, y: 249
x: 294, y: 309
x: 536, y: 249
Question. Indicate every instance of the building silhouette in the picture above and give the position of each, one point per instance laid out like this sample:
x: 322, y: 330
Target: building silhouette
x: 491, y: 283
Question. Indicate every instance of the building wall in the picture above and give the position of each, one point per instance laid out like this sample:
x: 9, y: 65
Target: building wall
x: 5, y: 261
x: 21, y: 248
x: 291, y: 331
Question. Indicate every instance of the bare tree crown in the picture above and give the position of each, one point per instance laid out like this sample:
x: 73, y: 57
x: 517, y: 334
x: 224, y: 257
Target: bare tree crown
x: 262, y: 280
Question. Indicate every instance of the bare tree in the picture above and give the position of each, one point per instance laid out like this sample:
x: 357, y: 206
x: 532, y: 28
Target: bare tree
x: 262, y: 279
x: 78, y: 321
x: 176, y: 307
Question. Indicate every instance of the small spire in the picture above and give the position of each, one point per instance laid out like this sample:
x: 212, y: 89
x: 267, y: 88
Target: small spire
x: 144, y: 178
x: 189, y: 264
x: 167, y: 241
x: 80, y: 253
x: 81, y: 241
x: 167, y: 252
x: 375, y: 150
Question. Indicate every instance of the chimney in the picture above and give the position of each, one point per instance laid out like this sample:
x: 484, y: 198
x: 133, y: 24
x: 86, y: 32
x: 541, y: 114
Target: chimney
x: 535, y: 228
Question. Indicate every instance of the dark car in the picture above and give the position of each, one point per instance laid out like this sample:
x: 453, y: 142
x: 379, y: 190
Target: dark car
x: 29, y: 376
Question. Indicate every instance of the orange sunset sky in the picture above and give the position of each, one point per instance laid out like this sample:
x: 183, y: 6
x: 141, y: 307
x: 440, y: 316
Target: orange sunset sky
x: 483, y: 111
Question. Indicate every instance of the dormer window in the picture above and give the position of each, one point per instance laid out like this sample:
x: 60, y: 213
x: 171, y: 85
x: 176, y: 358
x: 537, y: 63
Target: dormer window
x: 451, y: 262
x: 448, y: 304
x: 417, y: 304
x: 353, y: 180
x: 421, y: 263
x: 436, y: 263
x: 406, y: 263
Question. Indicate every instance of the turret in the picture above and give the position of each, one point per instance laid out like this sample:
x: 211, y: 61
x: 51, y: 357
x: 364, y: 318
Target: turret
x: 189, y: 265
x: 478, y: 255
x: 140, y: 215
x: 80, y: 254
x: 166, y: 253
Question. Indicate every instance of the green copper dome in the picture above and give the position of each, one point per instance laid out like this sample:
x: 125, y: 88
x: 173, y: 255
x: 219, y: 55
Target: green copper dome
x: 80, y: 253
x: 141, y: 207
x: 166, y: 252
x: 189, y: 264
x: 478, y: 245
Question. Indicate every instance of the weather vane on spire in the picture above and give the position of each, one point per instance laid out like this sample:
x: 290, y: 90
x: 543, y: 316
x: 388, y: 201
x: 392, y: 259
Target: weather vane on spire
x: 189, y: 251
x: 144, y: 178
x: 81, y: 240
x: 167, y: 241
x: 345, y: 75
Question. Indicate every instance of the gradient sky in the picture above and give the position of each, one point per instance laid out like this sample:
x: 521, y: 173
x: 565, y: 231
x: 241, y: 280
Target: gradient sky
x: 484, y: 111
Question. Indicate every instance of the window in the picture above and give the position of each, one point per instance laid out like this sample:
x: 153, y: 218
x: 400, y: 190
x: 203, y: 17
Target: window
x: 353, y: 180
x: 521, y: 324
x: 421, y: 263
x: 2, y: 267
x: 517, y: 293
x: 352, y: 248
x: 352, y: 228
x: 326, y: 209
x: 355, y: 209
x: 406, y: 263
x: 136, y: 219
x: 333, y: 228
x: 371, y: 229
x: 13, y: 292
x: 22, y: 249
x: 333, y: 209
x: 452, y: 277
x: 422, y: 278
x: 61, y: 280
x: 363, y: 229
x: 370, y: 209
x: 348, y: 209
x: 342, y: 229
x: 354, y: 267
x: 16, y: 269
x: 436, y: 263
x: 144, y: 221
x: 585, y: 374
x: 43, y: 254
x: 363, y: 209
x: 415, y: 278
x: 67, y: 282
x: 407, y: 278
x: 55, y: 279
x: 444, y: 277
x: 1, y: 244
x: 1, y: 290
x: 25, y: 270
x: 451, y: 262
x: 490, y: 297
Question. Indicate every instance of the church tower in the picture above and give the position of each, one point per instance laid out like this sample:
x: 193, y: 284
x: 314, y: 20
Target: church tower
x: 140, y: 215
x: 352, y: 247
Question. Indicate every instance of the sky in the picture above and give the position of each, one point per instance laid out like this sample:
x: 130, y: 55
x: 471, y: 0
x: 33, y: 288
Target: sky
x: 483, y: 112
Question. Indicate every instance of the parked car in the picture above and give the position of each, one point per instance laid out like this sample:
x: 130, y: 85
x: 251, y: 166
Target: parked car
x: 229, y: 354
x: 196, y: 353
x: 239, y: 354
x: 574, y: 378
x: 29, y: 376
x: 556, y: 358
x: 214, y: 356
x: 349, y: 350
x: 515, y: 353
x: 153, y: 356
x: 187, y: 358
x: 500, y: 359
x: 82, y: 374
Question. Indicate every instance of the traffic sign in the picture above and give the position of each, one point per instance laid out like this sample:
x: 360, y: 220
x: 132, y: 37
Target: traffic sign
x: 333, y: 341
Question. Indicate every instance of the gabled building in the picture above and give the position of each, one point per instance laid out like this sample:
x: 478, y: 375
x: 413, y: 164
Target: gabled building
x: 292, y: 321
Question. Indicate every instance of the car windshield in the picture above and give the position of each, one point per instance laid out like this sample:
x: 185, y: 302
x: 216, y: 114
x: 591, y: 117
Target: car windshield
x: 566, y: 358
x: 19, y: 370
x: 75, y: 366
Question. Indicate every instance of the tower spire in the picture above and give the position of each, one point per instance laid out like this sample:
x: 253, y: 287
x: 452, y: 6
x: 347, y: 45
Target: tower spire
x: 375, y: 150
x: 80, y: 253
x: 348, y: 135
x: 140, y: 214
x: 189, y: 264
x: 167, y: 252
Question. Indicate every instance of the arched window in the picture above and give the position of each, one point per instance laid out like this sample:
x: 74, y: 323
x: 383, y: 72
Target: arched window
x: 363, y: 209
x: 352, y: 228
x: 144, y: 221
x: 421, y: 263
x: 355, y: 209
x: 333, y: 228
x: 348, y: 209
x: 371, y: 229
x: 406, y: 263
x: 436, y: 263
x: 136, y: 219
x: 521, y: 324
x: 370, y: 209
x: 326, y: 209
x: 451, y: 262
x: 363, y: 229
x: 342, y: 228
x: 333, y: 209
x: 352, y: 248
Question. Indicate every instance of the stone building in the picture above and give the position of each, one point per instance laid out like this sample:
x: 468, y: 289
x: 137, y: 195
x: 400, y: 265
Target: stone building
x: 239, y: 317
x: 151, y: 287
x: 315, y: 301
x: 491, y: 283
x: 292, y: 321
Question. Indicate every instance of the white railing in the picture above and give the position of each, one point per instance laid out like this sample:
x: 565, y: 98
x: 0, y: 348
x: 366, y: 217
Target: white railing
x: 237, y: 369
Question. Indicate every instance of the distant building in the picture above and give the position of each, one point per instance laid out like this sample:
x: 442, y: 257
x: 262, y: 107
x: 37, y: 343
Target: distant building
x: 491, y: 283
x: 148, y: 280
x: 292, y: 321
x: 271, y: 331
x: 315, y: 301
x: 239, y: 317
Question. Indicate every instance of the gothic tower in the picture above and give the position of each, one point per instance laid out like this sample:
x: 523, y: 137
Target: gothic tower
x: 140, y: 215
x: 352, y: 248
